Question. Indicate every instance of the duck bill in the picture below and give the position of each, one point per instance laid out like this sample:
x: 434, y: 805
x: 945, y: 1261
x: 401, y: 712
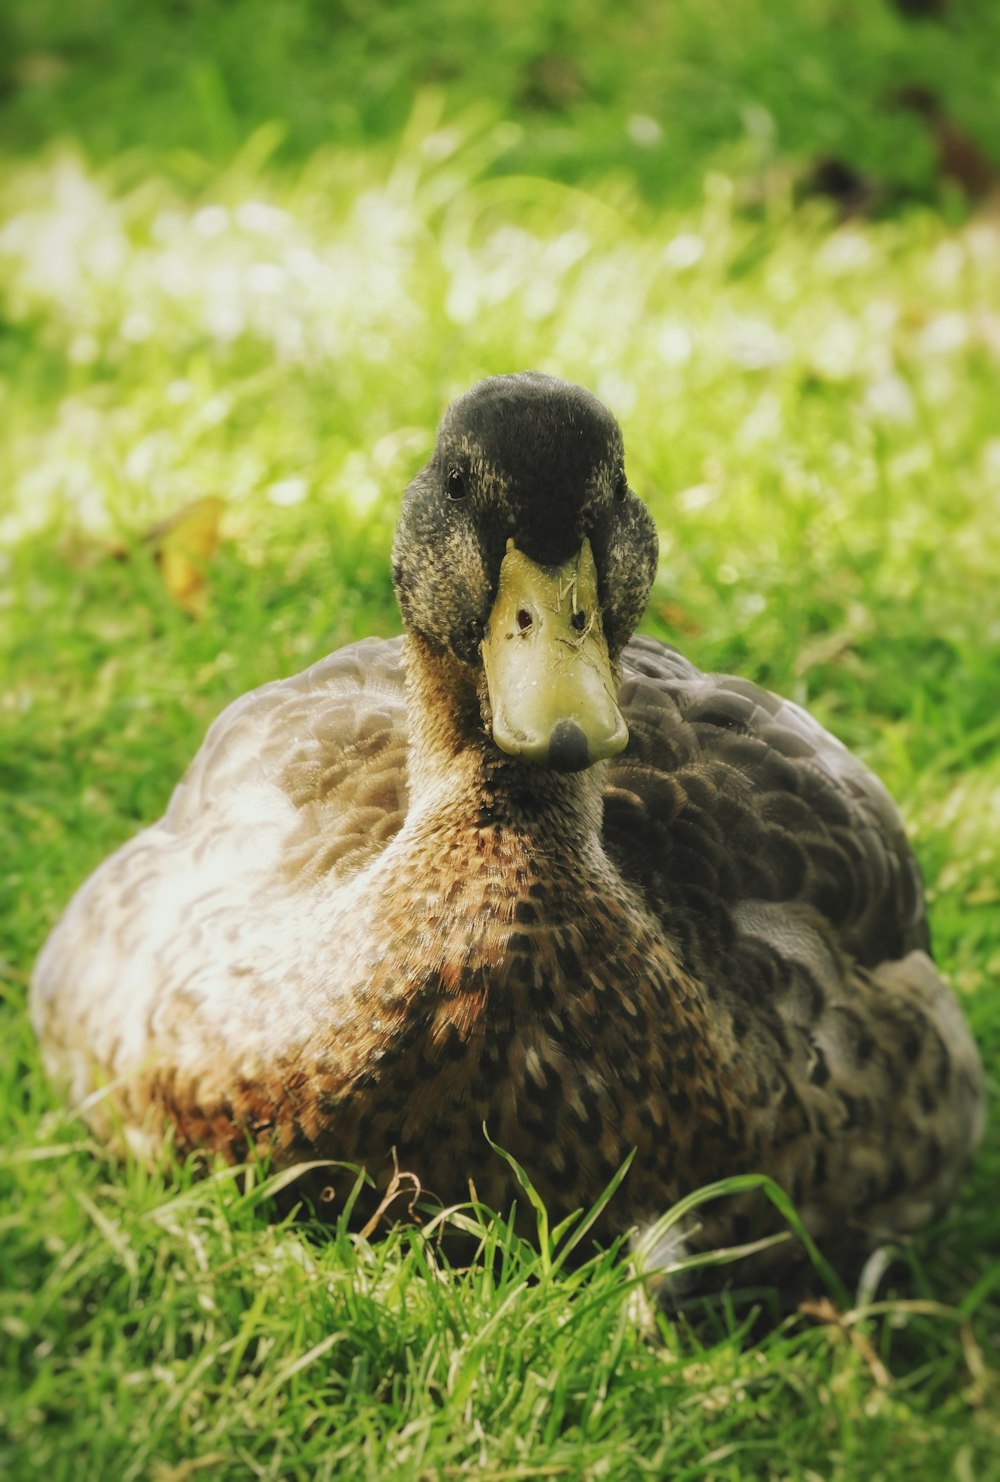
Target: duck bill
x: 552, y: 690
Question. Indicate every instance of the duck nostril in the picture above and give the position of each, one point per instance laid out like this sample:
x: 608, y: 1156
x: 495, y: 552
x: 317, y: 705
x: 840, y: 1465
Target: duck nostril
x: 524, y: 619
x: 578, y: 621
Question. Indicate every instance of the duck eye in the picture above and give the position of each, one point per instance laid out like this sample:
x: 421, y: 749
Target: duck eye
x: 621, y: 485
x: 456, y: 483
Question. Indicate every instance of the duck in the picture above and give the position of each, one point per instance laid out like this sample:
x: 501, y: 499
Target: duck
x: 522, y: 880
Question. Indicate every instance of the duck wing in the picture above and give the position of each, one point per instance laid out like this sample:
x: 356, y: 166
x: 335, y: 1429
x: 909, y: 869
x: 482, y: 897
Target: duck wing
x: 777, y: 865
x: 330, y: 742
x: 734, y: 811
x: 301, y: 780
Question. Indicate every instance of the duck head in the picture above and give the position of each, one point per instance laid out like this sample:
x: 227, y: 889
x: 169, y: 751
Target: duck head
x: 523, y: 558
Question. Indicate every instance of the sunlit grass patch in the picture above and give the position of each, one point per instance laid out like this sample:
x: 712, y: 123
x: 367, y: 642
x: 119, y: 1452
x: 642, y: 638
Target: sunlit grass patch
x: 310, y: 319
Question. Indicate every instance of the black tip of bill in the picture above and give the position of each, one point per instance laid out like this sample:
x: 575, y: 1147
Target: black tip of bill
x: 568, y: 748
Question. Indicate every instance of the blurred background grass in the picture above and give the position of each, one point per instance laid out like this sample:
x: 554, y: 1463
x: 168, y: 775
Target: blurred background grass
x: 248, y: 251
x: 651, y: 92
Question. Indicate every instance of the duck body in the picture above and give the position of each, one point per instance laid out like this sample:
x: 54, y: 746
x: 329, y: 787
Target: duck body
x: 364, y: 928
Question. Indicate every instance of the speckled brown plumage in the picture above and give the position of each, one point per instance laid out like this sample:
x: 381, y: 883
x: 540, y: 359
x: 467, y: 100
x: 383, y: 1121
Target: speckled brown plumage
x: 362, y: 931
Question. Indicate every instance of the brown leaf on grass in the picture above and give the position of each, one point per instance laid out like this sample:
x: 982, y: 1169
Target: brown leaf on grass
x: 678, y: 619
x: 185, y: 543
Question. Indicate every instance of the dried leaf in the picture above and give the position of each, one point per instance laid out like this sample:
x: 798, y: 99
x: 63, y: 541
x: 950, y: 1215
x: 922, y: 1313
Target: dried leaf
x: 678, y: 619
x: 185, y: 543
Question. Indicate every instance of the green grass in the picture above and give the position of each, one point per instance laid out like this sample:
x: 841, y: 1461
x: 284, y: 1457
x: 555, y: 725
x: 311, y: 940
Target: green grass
x: 653, y: 97
x: 260, y: 273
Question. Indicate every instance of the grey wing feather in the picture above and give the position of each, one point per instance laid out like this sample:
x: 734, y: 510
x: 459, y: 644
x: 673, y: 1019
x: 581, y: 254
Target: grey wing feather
x: 745, y: 803
x: 779, y: 866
